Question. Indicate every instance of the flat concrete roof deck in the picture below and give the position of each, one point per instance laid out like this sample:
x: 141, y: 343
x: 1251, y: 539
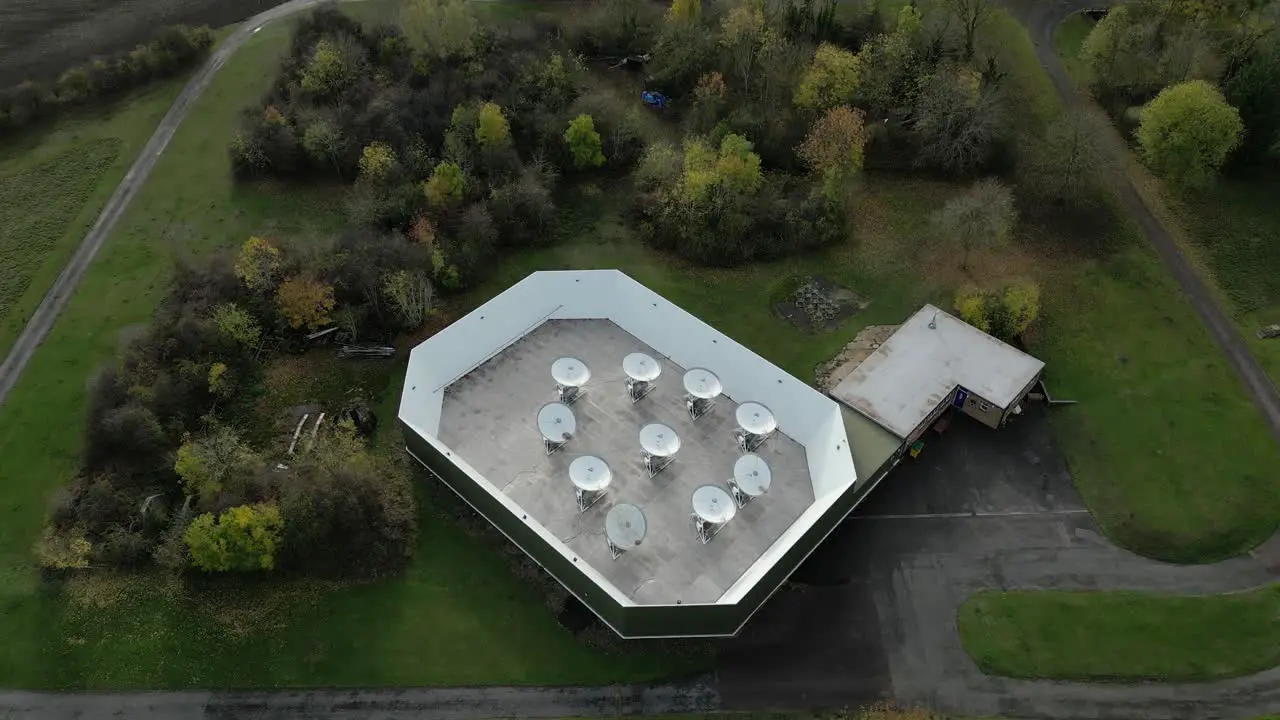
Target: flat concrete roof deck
x: 900, y: 383
x: 488, y: 418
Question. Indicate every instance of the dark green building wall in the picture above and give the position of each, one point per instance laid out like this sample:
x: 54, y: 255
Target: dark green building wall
x: 634, y: 621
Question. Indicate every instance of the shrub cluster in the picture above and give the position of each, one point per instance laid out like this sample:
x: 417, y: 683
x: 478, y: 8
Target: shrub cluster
x: 174, y: 50
x: 167, y: 472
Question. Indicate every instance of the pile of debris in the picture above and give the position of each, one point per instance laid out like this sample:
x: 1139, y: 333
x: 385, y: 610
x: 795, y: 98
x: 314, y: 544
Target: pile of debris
x: 830, y: 373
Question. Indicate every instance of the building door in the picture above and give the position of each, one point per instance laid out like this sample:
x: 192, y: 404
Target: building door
x: 961, y: 396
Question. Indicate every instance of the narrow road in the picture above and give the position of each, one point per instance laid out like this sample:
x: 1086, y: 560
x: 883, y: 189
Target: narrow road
x: 56, y: 298
x: 1041, y: 18
x: 463, y: 703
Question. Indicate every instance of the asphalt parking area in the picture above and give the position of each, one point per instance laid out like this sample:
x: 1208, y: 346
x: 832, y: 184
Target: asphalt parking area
x: 823, y: 642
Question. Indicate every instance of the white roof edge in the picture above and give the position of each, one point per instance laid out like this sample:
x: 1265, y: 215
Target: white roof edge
x: 803, y: 413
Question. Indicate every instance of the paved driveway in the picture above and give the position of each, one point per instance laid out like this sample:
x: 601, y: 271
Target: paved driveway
x: 830, y: 641
x: 979, y: 509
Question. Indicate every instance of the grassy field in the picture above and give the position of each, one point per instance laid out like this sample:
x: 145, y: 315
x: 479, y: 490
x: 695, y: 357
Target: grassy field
x: 52, y: 186
x: 1122, y: 636
x: 458, y: 616
x: 1067, y: 39
x: 1231, y: 227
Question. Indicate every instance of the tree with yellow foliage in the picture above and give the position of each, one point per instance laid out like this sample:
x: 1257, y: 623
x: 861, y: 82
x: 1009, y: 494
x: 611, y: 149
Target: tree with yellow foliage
x: 831, y: 80
x: 258, y: 263
x: 492, y: 130
x: 242, y: 538
x: 305, y: 302
x: 376, y: 162
x: 685, y: 11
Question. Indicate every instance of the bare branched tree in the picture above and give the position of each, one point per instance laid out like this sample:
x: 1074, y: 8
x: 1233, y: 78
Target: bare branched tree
x: 971, y: 14
x: 981, y: 217
x: 957, y: 119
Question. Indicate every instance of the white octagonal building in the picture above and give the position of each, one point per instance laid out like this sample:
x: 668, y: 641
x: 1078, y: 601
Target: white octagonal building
x: 665, y: 520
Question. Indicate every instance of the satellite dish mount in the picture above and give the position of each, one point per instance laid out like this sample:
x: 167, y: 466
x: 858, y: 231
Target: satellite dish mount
x: 702, y: 387
x: 570, y: 374
x: 641, y: 371
x: 756, y: 425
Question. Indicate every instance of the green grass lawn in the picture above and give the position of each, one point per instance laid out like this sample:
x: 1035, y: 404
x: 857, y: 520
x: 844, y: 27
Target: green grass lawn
x: 1122, y: 636
x: 1236, y: 225
x: 1067, y: 39
x: 458, y: 616
x: 1233, y: 227
x: 54, y: 183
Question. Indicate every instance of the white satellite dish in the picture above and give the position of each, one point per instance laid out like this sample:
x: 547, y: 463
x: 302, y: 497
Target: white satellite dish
x: 751, y: 478
x: 757, y: 424
x: 756, y: 418
x: 590, y: 477
x: 557, y: 424
x: 641, y: 371
x: 702, y: 384
x: 659, y: 440
x: 659, y: 444
x: 590, y: 473
x: 570, y: 375
x: 703, y: 387
x: 641, y: 367
x: 713, y: 508
x: 624, y: 528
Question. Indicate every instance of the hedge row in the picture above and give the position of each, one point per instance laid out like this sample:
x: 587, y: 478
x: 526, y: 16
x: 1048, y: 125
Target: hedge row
x: 174, y: 50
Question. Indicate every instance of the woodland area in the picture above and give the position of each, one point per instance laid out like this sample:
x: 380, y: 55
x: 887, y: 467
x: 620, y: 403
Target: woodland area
x: 1196, y: 82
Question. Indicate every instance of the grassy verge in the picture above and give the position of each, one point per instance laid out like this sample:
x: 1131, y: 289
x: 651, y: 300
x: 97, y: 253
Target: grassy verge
x: 1122, y: 636
x: 1229, y: 230
x: 1165, y: 447
x: 1067, y: 40
x: 54, y: 183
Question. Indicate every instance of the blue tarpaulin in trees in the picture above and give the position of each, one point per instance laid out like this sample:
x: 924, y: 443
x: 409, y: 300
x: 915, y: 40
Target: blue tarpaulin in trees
x: 653, y: 99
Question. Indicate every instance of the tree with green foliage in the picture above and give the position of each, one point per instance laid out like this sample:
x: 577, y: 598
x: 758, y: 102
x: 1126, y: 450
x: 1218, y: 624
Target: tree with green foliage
x: 221, y: 381
x: 492, y: 130
x: 237, y: 325
x: 376, y: 162
x: 258, y: 263
x: 584, y: 143
x: 440, y: 28
x: 243, y: 538
x: 215, y: 462
x: 742, y: 31
x: 412, y: 296
x: 334, y: 66
x: 981, y: 217
x: 831, y: 79
x: 737, y: 168
x: 445, y: 186
x: 1187, y: 132
x: 323, y: 141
